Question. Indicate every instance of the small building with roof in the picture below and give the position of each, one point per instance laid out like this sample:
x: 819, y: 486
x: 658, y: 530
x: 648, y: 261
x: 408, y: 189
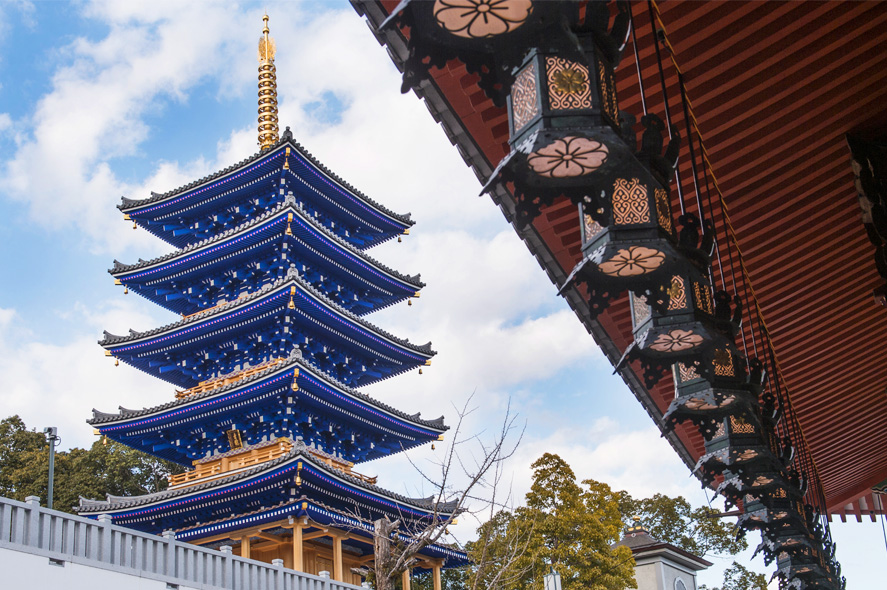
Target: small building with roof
x: 660, y: 565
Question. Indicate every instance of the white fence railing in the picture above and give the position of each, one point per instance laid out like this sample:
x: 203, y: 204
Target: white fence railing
x: 62, y: 537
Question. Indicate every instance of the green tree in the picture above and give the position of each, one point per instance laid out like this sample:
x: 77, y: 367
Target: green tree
x: 737, y: 577
x: 697, y: 530
x: 106, y: 468
x: 572, y: 531
x: 22, y: 454
x: 571, y: 527
x: 452, y: 579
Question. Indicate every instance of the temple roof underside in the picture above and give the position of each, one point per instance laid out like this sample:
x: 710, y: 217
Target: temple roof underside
x: 316, y: 517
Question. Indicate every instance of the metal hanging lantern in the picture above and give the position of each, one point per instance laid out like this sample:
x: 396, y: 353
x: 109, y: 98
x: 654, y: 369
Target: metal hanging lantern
x: 782, y: 512
x: 565, y: 132
x: 730, y: 389
x: 635, y: 249
x: 692, y: 329
x: 491, y: 37
x: 736, y: 448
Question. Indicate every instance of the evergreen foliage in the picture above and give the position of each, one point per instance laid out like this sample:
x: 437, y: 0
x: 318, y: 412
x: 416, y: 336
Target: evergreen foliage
x: 572, y: 531
x: 105, y: 468
x: 572, y: 525
x: 738, y: 577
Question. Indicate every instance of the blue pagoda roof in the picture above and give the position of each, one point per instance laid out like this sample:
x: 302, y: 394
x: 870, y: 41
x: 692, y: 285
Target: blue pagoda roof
x: 251, y: 255
x: 293, y: 475
x: 225, y: 199
x: 269, y: 323
x: 320, y: 411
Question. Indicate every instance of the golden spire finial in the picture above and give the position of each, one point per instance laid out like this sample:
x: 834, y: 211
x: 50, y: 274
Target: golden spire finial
x: 268, y: 128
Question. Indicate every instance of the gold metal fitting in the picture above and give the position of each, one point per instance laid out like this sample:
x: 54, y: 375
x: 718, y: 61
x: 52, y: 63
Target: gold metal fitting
x: 117, y: 282
x: 126, y: 217
x: 126, y: 290
x: 135, y: 225
x: 286, y: 159
x: 268, y: 126
x: 292, y: 304
x: 420, y: 370
x: 409, y: 302
x: 289, y: 221
x: 116, y: 362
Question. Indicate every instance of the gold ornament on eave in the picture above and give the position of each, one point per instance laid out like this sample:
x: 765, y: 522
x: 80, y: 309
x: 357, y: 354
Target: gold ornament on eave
x: 268, y: 126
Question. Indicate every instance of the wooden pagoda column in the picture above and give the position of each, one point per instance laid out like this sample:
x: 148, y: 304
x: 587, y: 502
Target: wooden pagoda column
x: 435, y: 575
x: 244, y: 547
x: 298, y: 559
x: 337, y: 559
x: 405, y: 577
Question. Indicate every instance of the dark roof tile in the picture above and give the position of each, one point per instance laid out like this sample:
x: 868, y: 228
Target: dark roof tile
x: 287, y: 139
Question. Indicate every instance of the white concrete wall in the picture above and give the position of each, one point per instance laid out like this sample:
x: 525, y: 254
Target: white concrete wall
x: 23, y: 571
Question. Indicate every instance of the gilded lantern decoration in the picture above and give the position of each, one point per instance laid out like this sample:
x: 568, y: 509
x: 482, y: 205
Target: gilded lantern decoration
x: 696, y: 328
x: 566, y: 136
x: 628, y: 244
x: 738, y: 448
x: 781, y: 513
x: 713, y: 388
x: 492, y: 37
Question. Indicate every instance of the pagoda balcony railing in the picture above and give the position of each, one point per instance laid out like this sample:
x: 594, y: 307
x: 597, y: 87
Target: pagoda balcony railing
x: 214, y: 469
x: 344, y: 466
x: 67, y: 539
x: 216, y: 306
x: 217, y: 382
x: 224, y: 465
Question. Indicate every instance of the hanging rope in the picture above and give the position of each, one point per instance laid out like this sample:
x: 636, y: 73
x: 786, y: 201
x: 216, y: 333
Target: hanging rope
x: 779, y: 385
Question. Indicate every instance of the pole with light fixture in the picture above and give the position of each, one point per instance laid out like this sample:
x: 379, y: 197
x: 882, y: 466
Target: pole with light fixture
x: 53, y: 439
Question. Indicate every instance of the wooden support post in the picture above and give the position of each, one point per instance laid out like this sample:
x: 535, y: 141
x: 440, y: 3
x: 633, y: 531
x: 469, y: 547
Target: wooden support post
x: 298, y: 561
x: 435, y: 574
x: 337, y: 559
x: 244, y: 547
x: 406, y: 579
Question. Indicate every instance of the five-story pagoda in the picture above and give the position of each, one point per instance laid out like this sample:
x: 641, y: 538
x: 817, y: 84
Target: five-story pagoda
x: 272, y: 280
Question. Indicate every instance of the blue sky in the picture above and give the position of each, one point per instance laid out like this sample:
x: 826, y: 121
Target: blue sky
x: 104, y: 99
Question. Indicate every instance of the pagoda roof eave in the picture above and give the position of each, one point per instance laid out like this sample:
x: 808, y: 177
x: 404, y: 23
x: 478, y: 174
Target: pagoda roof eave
x: 131, y: 206
x: 299, y: 459
x: 105, y: 420
x: 318, y: 513
x: 121, y: 270
x: 111, y: 341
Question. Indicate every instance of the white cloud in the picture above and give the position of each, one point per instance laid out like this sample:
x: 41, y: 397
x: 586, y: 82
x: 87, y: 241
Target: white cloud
x: 56, y: 384
x: 95, y: 111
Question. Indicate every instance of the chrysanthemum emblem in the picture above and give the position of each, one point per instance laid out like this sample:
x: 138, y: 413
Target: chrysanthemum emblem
x: 696, y: 403
x: 676, y: 341
x: 747, y: 455
x: 477, y: 19
x: 568, y: 157
x: 634, y: 261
